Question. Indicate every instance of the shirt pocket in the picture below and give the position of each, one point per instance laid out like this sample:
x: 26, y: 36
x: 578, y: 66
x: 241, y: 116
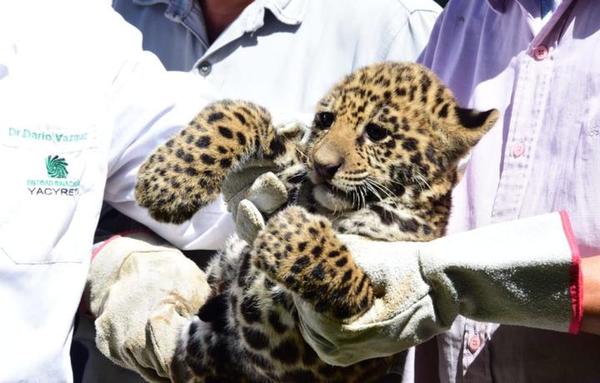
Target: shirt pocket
x: 47, y: 174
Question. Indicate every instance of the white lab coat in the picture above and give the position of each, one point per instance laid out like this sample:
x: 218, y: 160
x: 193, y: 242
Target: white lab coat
x: 80, y: 109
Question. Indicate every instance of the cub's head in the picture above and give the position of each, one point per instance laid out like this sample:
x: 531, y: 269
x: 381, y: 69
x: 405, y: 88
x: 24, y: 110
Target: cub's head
x: 386, y: 130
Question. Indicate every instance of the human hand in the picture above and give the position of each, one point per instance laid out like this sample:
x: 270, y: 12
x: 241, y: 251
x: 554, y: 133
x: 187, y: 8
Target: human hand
x: 590, y: 268
x: 521, y: 272
x: 141, y: 294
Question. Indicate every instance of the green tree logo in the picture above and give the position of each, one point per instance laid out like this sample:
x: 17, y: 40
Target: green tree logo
x: 56, y: 167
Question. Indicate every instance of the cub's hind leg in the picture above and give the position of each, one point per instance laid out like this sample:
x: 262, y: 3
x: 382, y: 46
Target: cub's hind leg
x: 204, y: 351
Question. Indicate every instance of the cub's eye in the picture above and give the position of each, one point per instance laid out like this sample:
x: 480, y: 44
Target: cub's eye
x: 323, y: 120
x: 376, y: 132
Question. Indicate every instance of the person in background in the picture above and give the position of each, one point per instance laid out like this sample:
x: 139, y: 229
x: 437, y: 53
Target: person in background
x: 281, y: 54
x: 538, y: 63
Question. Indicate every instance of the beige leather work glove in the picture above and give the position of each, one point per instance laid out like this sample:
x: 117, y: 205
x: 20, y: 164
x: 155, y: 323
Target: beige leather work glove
x: 254, y: 191
x: 524, y: 273
x: 251, y: 192
x: 141, y: 293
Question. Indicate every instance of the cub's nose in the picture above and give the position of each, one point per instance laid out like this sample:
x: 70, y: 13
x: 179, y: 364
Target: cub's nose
x: 327, y: 170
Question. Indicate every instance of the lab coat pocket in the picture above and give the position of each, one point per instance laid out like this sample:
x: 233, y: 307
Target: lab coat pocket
x: 46, y: 178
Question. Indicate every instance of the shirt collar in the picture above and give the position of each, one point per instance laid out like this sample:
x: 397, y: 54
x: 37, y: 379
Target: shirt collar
x: 286, y: 11
x: 498, y: 5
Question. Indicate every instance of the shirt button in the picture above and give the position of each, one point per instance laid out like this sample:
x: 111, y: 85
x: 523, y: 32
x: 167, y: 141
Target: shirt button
x: 518, y: 150
x: 204, y: 68
x: 540, y: 52
x: 474, y: 343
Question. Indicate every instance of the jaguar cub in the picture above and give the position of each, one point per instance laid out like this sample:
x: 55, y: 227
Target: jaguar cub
x: 379, y: 161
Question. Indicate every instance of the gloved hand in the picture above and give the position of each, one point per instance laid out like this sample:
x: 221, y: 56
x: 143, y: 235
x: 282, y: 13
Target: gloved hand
x: 523, y: 272
x: 254, y: 190
x: 141, y: 294
x: 250, y: 192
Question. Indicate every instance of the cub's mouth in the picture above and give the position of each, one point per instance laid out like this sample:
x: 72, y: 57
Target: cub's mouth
x: 331, y: 197
x: 352, y: 197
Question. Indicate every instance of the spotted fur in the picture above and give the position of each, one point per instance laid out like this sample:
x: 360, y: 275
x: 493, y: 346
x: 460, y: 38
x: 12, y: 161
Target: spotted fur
x: 380, y: 161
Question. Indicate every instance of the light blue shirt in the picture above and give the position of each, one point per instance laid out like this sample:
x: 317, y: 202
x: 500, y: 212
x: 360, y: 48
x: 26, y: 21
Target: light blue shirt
x: 283, y: 54
x: 542, y: 156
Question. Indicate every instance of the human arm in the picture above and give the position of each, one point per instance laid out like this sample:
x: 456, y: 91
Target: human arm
x: 590, y: 268
x: 164, y: 103
x: 126, y: 347
x: 140, y: 291
x: 165, y: 118
x: 496, y: 273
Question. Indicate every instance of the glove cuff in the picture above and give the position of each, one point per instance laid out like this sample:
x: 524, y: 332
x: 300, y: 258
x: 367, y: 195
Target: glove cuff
x: 99, y: 247
x: 576, y: 283
x: 524, y: 272
x: 107, y: 259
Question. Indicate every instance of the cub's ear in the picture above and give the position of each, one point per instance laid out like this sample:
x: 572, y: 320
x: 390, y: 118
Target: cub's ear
x: 463, y: 128
x: 475, y: 120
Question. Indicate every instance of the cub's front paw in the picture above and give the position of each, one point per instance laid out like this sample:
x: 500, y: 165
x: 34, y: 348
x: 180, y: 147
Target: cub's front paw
x: 187, y: 172
x: 300, y: 251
